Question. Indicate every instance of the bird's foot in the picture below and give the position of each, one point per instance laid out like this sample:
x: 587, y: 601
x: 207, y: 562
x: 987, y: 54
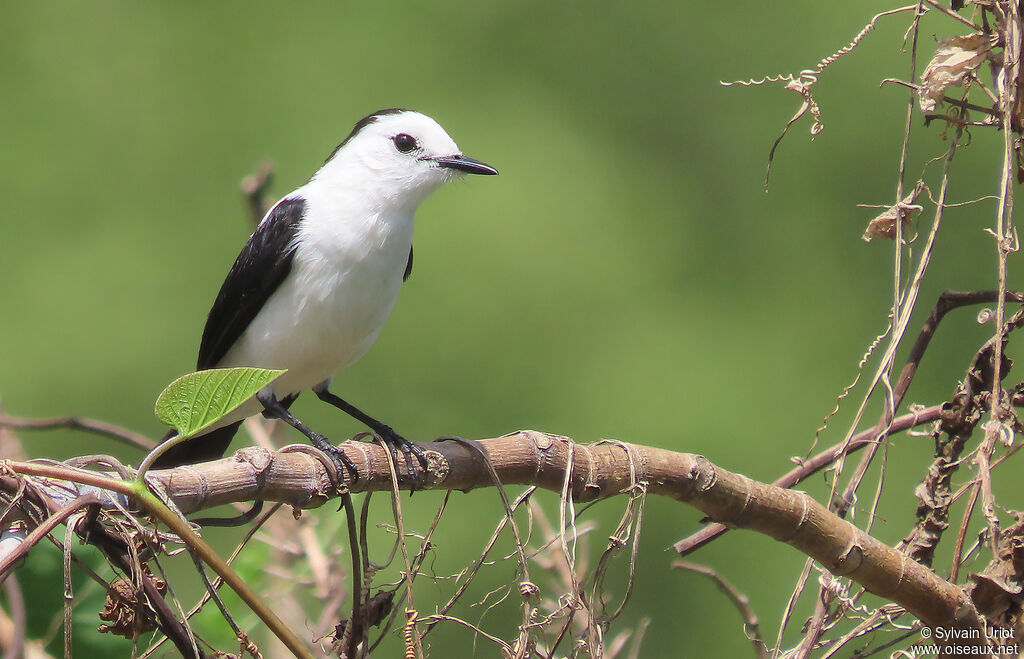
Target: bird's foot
x: 278, y: 409
x: 396, y: 443
x: 341, y: 461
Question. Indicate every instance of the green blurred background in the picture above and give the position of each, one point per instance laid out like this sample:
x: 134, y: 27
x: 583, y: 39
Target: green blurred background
x: 625, y: 277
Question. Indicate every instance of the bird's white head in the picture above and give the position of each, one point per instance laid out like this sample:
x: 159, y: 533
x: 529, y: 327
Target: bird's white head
x: 398, y: 155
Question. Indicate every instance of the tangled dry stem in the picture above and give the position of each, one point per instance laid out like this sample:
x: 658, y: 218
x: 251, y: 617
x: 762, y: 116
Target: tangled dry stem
x: 592, y: 472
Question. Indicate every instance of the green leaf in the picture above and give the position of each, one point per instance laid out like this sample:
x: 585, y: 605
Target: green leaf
x: 196, y: 401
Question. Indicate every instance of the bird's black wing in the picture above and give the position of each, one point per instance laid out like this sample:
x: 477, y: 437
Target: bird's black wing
x: 260, y: 268
x: 408, y: 266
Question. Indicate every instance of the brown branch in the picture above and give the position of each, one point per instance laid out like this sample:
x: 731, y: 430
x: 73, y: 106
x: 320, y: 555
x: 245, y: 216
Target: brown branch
x: 933, y: 494
x: 110, y: 430
x: 961, y: 414
x: 592, y: 472
x: 948, y: 301
x: 813, y: 465
x: 10, y: 559
x: 981, y: 372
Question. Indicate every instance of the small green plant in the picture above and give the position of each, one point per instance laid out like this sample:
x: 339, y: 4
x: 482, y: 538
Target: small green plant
x: 196, y: 401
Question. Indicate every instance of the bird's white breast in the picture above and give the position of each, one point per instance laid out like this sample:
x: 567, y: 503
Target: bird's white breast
x: 345, y: 277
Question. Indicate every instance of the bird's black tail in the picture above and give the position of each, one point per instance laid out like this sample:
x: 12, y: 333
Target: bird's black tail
x: 203, y: 448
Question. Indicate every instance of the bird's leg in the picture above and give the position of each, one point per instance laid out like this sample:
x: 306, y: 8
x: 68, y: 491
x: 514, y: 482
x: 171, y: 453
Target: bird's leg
x: 285, y: 402
x: 274, y: 409
x: 394, y: 441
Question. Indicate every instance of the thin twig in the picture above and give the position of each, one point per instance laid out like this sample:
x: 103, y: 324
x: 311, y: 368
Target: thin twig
x: 396, y: 506
x: 903, y: 307
x: 879, y: 617
x: 471, y: 572
x: 14, y: 645
x: 751, y: 625
x: 955, y: 16
x: 787, y: 613
x: 110, y: 430
x: 254, y: 189
x: 356, y: 630
x: 1006, y: 84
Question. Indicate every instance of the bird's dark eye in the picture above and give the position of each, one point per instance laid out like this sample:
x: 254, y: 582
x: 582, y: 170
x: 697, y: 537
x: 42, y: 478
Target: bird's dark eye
x: 404, y: 142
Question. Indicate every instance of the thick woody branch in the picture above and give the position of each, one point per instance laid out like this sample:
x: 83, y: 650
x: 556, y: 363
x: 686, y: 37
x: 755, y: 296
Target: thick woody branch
x: 300, y: 478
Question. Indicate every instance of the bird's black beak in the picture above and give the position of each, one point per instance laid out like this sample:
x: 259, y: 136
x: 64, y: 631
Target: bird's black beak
x: 466, y: 164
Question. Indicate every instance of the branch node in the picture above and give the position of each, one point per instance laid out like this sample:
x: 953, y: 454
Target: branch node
x: 850, y: 560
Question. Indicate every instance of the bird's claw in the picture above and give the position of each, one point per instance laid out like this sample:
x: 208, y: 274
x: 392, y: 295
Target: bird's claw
x: 342, y: 462
x: 396, y: 443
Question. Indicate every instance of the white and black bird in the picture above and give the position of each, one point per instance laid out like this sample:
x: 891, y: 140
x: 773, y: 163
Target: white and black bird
x: 315, y: 283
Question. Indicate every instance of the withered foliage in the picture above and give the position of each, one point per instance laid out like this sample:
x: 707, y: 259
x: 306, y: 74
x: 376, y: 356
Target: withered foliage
x: 331, y: 588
